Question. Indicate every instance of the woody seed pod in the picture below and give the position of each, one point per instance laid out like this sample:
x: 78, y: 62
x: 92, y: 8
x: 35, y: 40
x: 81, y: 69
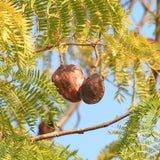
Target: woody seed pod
x: 46, y: 128
x: 68, y: 79
x: 92, y: 89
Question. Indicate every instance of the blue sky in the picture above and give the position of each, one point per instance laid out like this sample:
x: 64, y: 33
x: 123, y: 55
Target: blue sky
x: 90, y: 143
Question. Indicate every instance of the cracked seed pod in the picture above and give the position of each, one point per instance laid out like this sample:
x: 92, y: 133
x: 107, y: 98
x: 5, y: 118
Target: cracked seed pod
x: 68, y: 79
x: 92, y: 89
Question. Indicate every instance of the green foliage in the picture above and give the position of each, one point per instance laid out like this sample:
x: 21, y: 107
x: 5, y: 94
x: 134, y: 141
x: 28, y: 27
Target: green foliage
x: 28, y: 95
x: 109, y: 152
x: 131, y: 65
x: 16, y: 45
x: 27, y: 92
x: 139, y: 137
x: 58, y: 20
x: 19, y: 147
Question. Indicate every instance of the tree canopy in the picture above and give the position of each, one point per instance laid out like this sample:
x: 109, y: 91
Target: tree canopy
x: 28, y: 29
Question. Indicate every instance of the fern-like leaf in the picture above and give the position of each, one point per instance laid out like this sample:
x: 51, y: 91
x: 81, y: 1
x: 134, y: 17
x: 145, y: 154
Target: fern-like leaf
x: 16, y: 45
x: 29, y: 95
x: 140, y: 138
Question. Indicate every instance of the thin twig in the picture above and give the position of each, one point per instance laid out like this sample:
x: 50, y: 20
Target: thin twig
x: 77, y: 44
x: 97, y: 60
x: 78, y: 120
x: 132, y: 4
x: 146, y: 6
x: 60, y: 53
x: 45, y: 48
x: 158, y: 22
x: 79, y: 131
x: 69, y: 112
x: 80, y: 44
x: 143, y: 20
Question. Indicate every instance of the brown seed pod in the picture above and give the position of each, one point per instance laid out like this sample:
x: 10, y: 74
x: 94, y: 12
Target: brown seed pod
x: 92, y: 89
x: 68, y: 79
x: 46, y: 128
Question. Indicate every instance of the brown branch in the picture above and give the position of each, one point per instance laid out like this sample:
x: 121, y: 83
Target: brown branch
x: 97, y: 60
x: 158, y: 22
x: 78, y: 120
x: 132, y: 4
x: 143, y: 20
x: 79, y: 131
x: 51, y: 46
x: 64, y: 43
x: 45, y: 48
x: 67, y: 115
x: 145, y: 6
x: 77, y: 44
x: 60, y: 53
x: 81, y: 44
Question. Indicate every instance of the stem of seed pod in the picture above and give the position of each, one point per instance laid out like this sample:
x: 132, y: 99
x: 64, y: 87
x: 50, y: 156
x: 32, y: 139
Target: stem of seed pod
x: 79, y: 44
x: 97, y: 60
x: 60, y: 53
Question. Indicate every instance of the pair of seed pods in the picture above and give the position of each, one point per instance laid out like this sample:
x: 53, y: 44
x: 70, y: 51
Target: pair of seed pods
x: 72, y: 85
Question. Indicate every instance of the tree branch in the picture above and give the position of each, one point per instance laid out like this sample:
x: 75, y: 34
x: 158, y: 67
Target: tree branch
x: 64, y: 43
x: 45, y: 48
x: 132, y: 4
x: 69, y: 112
x: 143, y: 20
x: 145, y: 6
x: 79, y: 131
x: 158, y: 22
x: 78, y: 120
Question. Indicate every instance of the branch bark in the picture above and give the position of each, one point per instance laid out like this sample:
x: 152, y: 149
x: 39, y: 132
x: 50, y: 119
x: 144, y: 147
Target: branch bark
x: 145, y: 6
x: 158, y: 22
x: 45, y: 48
x: 132, y: 4
x: 67, y: 115
x: 77, y: 44
x: 79, y: 131
x: 143, y: 20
